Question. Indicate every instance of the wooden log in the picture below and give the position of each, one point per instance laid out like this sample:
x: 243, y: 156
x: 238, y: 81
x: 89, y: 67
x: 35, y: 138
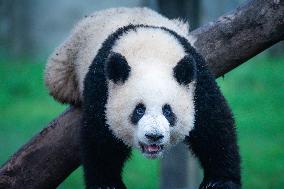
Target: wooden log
x: 241, y: 34
x: 49, y: 157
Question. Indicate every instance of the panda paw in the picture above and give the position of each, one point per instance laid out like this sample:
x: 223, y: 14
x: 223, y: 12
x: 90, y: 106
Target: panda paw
x: 111, y: 187
x: 219, y: 185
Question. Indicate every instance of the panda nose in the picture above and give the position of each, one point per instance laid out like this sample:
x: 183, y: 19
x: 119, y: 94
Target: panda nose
x: 154, y: 137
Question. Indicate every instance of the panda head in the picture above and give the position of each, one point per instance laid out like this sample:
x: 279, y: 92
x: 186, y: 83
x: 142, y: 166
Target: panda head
x: 151, y: 83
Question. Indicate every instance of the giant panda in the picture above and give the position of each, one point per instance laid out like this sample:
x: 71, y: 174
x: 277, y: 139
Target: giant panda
x: 141, y: 84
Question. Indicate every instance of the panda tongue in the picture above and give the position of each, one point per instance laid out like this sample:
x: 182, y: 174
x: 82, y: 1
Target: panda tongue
x: 152, y: 148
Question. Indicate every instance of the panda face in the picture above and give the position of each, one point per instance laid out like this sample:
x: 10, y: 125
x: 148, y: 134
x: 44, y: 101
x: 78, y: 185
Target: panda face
x: 150, y: 91
x: 153, y: 130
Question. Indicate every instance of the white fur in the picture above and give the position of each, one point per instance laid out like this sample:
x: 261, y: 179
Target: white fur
x: 79, y: 50
x: 152, y: 123
x: 152, y: 54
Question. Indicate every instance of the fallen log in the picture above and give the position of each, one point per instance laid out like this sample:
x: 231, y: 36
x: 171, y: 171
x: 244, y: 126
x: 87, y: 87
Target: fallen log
x: 50, y: 156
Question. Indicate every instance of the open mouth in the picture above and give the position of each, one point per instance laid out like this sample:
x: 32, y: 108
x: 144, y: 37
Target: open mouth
x: 151, y: 150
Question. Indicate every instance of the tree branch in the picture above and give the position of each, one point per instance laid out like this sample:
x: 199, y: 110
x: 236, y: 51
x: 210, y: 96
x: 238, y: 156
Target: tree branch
x: 241, y: 34
x: 49, y: 157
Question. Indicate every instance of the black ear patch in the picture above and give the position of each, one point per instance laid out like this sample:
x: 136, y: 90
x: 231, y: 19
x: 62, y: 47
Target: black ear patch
x: 117, y: 68
x: 185, y: 70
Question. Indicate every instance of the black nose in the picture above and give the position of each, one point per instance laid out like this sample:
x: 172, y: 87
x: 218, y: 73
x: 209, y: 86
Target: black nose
x: 154, y: 137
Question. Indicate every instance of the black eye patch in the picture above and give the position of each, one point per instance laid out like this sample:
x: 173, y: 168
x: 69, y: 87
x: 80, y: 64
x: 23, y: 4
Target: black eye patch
x: 138, y: 113
x: 169, y: 114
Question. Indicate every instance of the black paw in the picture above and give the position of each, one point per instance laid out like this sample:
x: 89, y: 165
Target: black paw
x: 117, y: 186
x: 106, y: 187
x: 219, y: 185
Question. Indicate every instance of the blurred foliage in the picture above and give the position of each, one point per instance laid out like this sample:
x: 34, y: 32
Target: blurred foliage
x: 255, y: 92
x: 26, y: 107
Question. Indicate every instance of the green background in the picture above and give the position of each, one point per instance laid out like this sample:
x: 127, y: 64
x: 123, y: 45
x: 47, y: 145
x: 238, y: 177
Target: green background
x: 255, y: 92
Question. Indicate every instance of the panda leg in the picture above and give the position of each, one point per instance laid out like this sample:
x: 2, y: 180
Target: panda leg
x: 103, y: 158
x: 213, y: 139
x: 215, y: 147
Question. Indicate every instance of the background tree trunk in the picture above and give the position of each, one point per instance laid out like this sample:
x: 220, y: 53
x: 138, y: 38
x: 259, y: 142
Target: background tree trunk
x: 177, y: 167
x: 49, y: 157
x: 185, y: 9
x: 15, y: 27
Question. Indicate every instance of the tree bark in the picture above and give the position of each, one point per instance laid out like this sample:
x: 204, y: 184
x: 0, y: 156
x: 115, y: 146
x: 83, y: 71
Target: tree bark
x: 49, y: 157
x: 185, y: 9
x: 241, y: 34
x: 174, y: 167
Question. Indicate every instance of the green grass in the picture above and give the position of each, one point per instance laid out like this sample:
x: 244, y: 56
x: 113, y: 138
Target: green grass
x: 26, y: 107
x: 255, y: 92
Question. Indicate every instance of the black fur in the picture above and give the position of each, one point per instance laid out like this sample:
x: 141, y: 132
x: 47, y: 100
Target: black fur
x: 169, y: 114
x: 117, y: 68
x: 138, y: 113
x: 212, y: 140
x: 103, y: 155
x: 185, y: 70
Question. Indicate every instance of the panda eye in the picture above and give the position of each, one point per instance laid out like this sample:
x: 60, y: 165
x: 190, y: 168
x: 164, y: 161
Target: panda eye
x: 138, y: 113
x: 140, y: 110
x: 168, y: 113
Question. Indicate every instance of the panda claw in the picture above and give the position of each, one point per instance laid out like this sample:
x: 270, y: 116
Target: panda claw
x: 220, y: 185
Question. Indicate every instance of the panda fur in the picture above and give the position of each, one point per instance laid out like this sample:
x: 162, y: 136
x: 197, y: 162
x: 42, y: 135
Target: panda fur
x: 142, y: 85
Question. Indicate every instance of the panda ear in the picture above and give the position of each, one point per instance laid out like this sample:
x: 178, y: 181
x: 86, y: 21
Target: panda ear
x: 185, y: 70
x: 117, y: 68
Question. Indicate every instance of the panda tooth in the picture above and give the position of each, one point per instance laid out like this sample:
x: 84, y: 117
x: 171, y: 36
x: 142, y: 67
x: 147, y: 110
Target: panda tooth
x: 153, y: 148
